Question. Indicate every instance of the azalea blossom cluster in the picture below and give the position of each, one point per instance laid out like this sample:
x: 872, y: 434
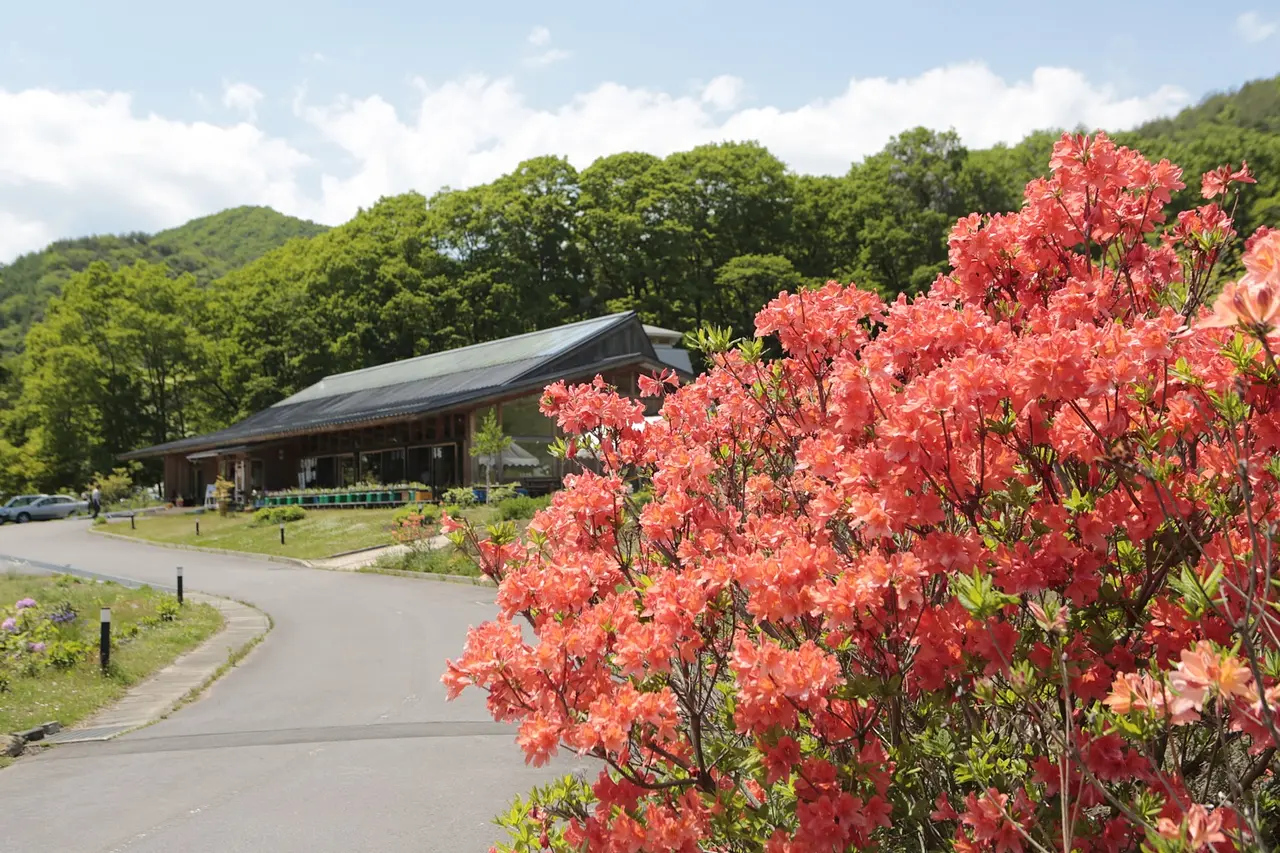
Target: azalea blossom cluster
x: 991, y: 569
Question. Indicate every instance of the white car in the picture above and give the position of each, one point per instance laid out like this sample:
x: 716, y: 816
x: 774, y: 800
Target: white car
x: 24, y: 508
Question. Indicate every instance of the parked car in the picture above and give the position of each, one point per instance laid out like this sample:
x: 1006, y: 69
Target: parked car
x: 24, y: 508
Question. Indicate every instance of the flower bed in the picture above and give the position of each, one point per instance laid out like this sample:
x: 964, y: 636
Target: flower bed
x: 49, y: 644
x: 351, y: 496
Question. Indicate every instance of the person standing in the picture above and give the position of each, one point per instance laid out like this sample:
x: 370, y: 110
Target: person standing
x: 95, y: 500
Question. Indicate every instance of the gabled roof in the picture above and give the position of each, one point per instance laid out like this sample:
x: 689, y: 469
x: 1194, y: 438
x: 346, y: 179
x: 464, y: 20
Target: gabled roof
x: 440, y: 381
x: 505, y: 356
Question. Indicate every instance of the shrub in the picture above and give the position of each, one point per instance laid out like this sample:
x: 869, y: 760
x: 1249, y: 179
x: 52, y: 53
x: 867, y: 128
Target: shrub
x: 223, y: 491
x: 987, y: 570
x: 440, y: 561
x: 279, y: 514
x: 521, y: 506
x: 460, y: 496
x: 416, y: 526
x: 100, y: 521
x: 498, y: 494
x: 428, y: 512
x: 116, y: 486
x: 168, y: 609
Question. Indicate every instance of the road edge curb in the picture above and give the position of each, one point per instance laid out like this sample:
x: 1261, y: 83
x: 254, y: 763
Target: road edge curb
x: 207, y: 677
x: 431, y: 576
x: 174, y: 546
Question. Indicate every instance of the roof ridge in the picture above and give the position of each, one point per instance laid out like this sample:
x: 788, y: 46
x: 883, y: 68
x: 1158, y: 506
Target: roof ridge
x: 455, y: 350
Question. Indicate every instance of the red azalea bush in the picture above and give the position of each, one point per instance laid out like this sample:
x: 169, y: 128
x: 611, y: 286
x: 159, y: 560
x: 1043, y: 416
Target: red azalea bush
x: 991, y: 569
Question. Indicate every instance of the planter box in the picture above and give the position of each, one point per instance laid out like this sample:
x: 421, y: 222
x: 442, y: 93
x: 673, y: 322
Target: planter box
x: 422, y: 495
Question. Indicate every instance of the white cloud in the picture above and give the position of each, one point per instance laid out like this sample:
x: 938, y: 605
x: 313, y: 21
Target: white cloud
x: 242, y: 98
x: 723, y: 93
x: 1253, y: 28
x: 78, y: 162
x: 547, y: 57
x: 541, y: 37
x: 73, y: 163
x: 18, y: 235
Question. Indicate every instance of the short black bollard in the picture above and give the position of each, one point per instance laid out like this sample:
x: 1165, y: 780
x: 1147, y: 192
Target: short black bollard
x: 179, y: 584
x: 132, y: 524
x: 197, y: 527
x: 282, y: 533
x: 104, y: 642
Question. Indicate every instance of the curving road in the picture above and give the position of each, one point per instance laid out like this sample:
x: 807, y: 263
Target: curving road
x: 334, y: 735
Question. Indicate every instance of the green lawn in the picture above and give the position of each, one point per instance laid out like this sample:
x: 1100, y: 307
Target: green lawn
x: 323, y: 533
x: 142, y: 644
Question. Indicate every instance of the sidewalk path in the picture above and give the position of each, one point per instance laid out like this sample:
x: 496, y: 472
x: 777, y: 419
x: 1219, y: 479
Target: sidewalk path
x: 362, y: 559
x: 158, y: 696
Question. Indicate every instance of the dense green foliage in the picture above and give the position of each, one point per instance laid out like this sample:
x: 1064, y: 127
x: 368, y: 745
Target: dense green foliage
x: 279, y: 514
x: 134, y: 355
x: 207, y: 248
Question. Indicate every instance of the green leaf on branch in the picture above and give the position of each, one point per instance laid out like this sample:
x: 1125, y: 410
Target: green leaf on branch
x: 977, y: 594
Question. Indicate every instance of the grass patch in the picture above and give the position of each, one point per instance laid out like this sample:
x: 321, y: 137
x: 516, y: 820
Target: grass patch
x: 138, y: 649
x: 323, y: 533
x: 437, y: 561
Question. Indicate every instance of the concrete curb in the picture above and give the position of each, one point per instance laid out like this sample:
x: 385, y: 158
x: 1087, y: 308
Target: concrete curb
x: 295, y: 561
x: 427, y: 576
x: 160, y: 695
x: 357, y: 551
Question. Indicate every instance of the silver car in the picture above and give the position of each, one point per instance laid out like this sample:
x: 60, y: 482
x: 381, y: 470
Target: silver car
x: 24, y: 508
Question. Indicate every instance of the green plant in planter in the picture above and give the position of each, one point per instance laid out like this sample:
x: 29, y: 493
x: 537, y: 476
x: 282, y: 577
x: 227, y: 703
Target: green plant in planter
x: 223, y: 491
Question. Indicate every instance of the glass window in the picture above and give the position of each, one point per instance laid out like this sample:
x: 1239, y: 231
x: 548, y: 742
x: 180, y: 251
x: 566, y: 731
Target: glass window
x: 521, y: 417
x: 371, y: 467
x: 393, y: 466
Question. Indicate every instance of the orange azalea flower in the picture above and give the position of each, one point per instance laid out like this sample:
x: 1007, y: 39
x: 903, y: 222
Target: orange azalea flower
x: 1262, y: 260
x: 1254, y: 301
x: 1202, y: 827
x: 1203, y: 671
x: 1255, y: 305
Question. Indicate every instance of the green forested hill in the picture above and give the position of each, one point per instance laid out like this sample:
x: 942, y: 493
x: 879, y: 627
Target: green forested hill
x: 207, y: 248
x: 1254, y: 106
x: 130, y: 353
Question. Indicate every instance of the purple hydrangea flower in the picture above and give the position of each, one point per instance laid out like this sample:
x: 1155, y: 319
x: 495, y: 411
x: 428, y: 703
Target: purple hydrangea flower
x: 35, y: 647
x: 25, y: 603
x: 9, y: 625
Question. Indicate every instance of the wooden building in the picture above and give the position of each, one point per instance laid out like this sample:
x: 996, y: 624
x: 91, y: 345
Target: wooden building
x: 413, y: 420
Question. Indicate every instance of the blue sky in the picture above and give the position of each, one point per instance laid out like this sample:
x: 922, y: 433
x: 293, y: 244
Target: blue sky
x: 140, y: 115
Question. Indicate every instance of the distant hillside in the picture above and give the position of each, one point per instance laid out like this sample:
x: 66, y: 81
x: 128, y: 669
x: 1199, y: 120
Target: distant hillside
x: 1254, y: 106
x: 207, y: 248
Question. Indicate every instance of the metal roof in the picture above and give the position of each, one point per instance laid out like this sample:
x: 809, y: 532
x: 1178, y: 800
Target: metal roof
x: 677, y: 358
x: 664, y: 335
x: 547, y: 343
x: 437, y: 382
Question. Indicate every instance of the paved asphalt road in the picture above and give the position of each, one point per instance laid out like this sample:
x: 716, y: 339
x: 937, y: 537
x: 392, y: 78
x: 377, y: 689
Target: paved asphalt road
x: 334, y: 735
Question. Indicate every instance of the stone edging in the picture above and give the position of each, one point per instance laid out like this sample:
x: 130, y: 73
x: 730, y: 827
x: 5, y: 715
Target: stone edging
x: 296, y: 561
x: 429, y: 576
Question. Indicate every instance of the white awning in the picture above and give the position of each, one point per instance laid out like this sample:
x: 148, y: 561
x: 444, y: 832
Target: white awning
x: 516, y: 456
